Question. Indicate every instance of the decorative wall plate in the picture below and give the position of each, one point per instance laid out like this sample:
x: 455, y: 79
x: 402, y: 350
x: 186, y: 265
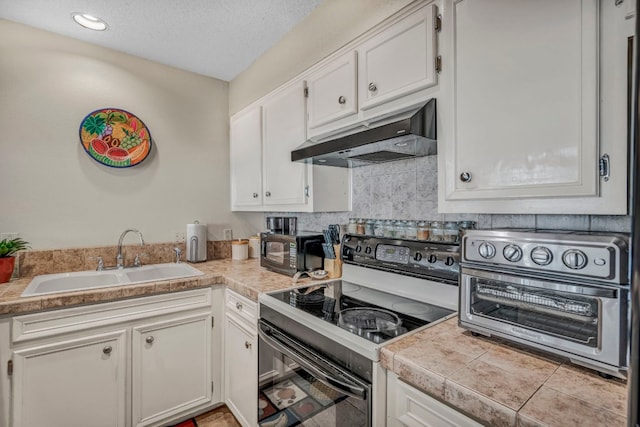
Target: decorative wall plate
x: 115, y: 137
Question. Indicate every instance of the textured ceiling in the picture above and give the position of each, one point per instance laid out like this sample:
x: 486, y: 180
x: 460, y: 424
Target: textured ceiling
x: 217, y: 38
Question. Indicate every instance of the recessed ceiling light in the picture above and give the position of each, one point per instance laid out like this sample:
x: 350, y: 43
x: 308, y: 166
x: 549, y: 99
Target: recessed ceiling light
x: 89, y: 21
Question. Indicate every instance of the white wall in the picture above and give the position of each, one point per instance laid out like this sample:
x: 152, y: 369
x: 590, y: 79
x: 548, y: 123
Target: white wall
x: 330, y: 26
x: 56, y: 196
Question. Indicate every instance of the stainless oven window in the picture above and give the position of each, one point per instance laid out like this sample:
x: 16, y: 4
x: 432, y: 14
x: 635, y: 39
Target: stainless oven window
x: 275, y: 251
x: 296, y: 388
x: 570, y: 316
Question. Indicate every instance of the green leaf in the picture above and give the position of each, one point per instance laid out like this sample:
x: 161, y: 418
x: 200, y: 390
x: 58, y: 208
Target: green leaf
x: 94, y: 124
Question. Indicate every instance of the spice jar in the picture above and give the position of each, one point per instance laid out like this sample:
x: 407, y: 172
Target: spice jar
x: 368, y: 227
x: 400, y: 227
x: 465, y: 225
x: 411, y: 230
x: 450, y: 233
x: 378, y: 228
x: 423, y: 230
x: 352, y: 227
x: 389, y: 228
x: 437, y: 231
x: 360, y: 226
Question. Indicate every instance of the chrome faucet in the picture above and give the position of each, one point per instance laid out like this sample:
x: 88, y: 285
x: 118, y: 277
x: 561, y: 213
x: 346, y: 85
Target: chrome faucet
x: 119, y: 259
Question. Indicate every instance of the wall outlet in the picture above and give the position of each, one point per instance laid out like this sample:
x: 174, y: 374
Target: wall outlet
x: 11, y: 235
x: 228, y: 234
x: 180, y: 237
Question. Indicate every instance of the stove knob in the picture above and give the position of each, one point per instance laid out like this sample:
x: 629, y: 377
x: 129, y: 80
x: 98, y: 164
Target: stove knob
x: 367, y: 250
x: 432, y: 258
x: 574, y: 259
x: 486, y: 250
x: 512, y: 253
x: 417, y: 256
x: 541, y: 255
x: 449, y: 261
x: 358, y: 248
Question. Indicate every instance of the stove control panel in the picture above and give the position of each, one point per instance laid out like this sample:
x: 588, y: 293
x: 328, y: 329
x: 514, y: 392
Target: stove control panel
x: 410, y: 257
x: 572, y: 254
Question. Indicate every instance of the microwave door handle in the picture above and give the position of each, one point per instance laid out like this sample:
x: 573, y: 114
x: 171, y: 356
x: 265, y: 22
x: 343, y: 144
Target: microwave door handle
x: 307, y: 251
x: 321, y: 374
x: 264, y: 248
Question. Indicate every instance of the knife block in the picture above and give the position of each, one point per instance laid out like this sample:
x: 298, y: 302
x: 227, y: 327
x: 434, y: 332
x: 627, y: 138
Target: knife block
x: 333, y: 267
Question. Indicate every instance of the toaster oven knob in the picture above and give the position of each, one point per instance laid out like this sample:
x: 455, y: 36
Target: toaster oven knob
x: 512, y: 253
x: 358, y: 248
x: 541, y: 255
x: 432, y: 258
x: 574, y: 259
x: 417, y: 256
x: 367, y: 250
x: 449, y: 261
x: 487, y: 250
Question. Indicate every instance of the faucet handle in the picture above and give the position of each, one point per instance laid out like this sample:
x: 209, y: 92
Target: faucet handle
x: 100, y: 266
x: 136, y: 261
x: 178, y: 252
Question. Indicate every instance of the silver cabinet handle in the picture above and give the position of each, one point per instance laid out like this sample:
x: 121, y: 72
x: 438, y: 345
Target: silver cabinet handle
x: 373, y: 87
x: 238, y: 306
x: 342, y: 100
x: 268, y: 194
x: 107, y: 350
x: 465, y: 177
x: 150, y: 339
x: 255, y: 195
x: 247, y: 344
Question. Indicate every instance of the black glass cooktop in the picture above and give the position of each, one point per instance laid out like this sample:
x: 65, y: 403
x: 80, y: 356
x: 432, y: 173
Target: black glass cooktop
x: 375, y: 315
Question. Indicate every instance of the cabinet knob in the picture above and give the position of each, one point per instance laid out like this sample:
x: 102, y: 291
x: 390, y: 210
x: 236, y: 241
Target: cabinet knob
x: 107, y: 350
x: 238, y: 306
x: 342, y: 100
x: 255, y: 195
x: 150, y: 339
x: 268, y: 194
x: 465, y: 177
x: 373, y: 87
x: 247, y: 344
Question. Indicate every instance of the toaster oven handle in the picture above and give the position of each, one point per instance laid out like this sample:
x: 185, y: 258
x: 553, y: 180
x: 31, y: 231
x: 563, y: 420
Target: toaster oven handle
x: 263, y: 248
x: 279, y: 342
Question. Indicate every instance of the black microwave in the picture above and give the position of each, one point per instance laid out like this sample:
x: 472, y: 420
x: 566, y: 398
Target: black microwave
x: 288, y: 254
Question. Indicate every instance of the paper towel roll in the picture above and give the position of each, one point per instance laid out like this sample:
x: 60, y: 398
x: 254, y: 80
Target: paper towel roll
x: 196, y: 242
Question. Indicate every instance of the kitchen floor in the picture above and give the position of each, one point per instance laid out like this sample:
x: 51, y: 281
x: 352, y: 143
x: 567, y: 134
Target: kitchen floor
x: 219, y: 417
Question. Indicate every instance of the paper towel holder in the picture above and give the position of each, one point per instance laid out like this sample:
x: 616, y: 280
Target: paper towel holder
x: 195, y: 250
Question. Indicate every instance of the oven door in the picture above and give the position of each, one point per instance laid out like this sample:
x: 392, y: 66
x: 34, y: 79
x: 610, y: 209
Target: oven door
x: 582, y: 322
x: 297, y: 385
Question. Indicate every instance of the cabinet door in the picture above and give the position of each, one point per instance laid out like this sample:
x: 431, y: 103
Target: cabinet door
x: 525, y: 98
x: 75, y: 382
x: 398, y: 61
x: 283, y: 118
x: 246, y: 159
x: 171, y: 369
x: 241, y: 370
x: 332, y: 92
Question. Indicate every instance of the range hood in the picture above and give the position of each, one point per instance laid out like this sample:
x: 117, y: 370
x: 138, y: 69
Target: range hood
x: 413, y: 134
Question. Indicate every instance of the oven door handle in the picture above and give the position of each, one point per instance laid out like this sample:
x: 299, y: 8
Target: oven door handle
x: 320, y: 373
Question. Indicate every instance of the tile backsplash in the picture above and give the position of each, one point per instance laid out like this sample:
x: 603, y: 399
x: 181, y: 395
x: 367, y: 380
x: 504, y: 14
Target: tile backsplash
x: 408, y: 189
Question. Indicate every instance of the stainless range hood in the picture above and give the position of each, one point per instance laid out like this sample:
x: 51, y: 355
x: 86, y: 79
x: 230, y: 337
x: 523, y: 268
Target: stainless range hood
x: 412, y: 135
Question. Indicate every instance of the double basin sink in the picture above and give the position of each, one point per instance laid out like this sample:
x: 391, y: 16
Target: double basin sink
x: 83, y: 280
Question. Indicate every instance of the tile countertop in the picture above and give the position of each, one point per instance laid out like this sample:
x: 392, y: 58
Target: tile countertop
x: 490, y: 380
x: 500, y: 384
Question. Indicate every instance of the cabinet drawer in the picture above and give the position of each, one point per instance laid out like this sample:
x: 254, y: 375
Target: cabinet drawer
x: 51, y: 323
x: 242, y: 307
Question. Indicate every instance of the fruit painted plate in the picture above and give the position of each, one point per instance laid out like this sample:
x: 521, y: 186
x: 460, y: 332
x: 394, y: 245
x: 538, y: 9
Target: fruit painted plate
x: 115, y: 138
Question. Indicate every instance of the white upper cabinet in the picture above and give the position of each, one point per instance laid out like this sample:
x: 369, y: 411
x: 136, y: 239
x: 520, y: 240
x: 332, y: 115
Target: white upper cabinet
x: 520, y: 109
x: 246, y: 159
x: 283, y: 113
x: 332, y: 93
x: 399, y: 61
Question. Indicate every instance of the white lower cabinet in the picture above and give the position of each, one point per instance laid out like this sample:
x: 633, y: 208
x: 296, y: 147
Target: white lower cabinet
x: 407, y: 406
x: 171, y: 368
x: 71, y: 382
x: 241, y: 358
x: 139, y: 362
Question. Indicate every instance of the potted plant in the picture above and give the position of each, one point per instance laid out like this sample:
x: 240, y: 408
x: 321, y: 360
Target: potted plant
x: 8, y: 250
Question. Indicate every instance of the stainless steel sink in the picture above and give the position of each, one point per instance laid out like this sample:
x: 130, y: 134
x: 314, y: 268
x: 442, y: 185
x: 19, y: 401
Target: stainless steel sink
x: 83, y: 280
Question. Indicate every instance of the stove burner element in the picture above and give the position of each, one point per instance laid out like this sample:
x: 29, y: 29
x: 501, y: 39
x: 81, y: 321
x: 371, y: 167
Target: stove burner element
x: 412, y: 308
x: 371, y: 323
